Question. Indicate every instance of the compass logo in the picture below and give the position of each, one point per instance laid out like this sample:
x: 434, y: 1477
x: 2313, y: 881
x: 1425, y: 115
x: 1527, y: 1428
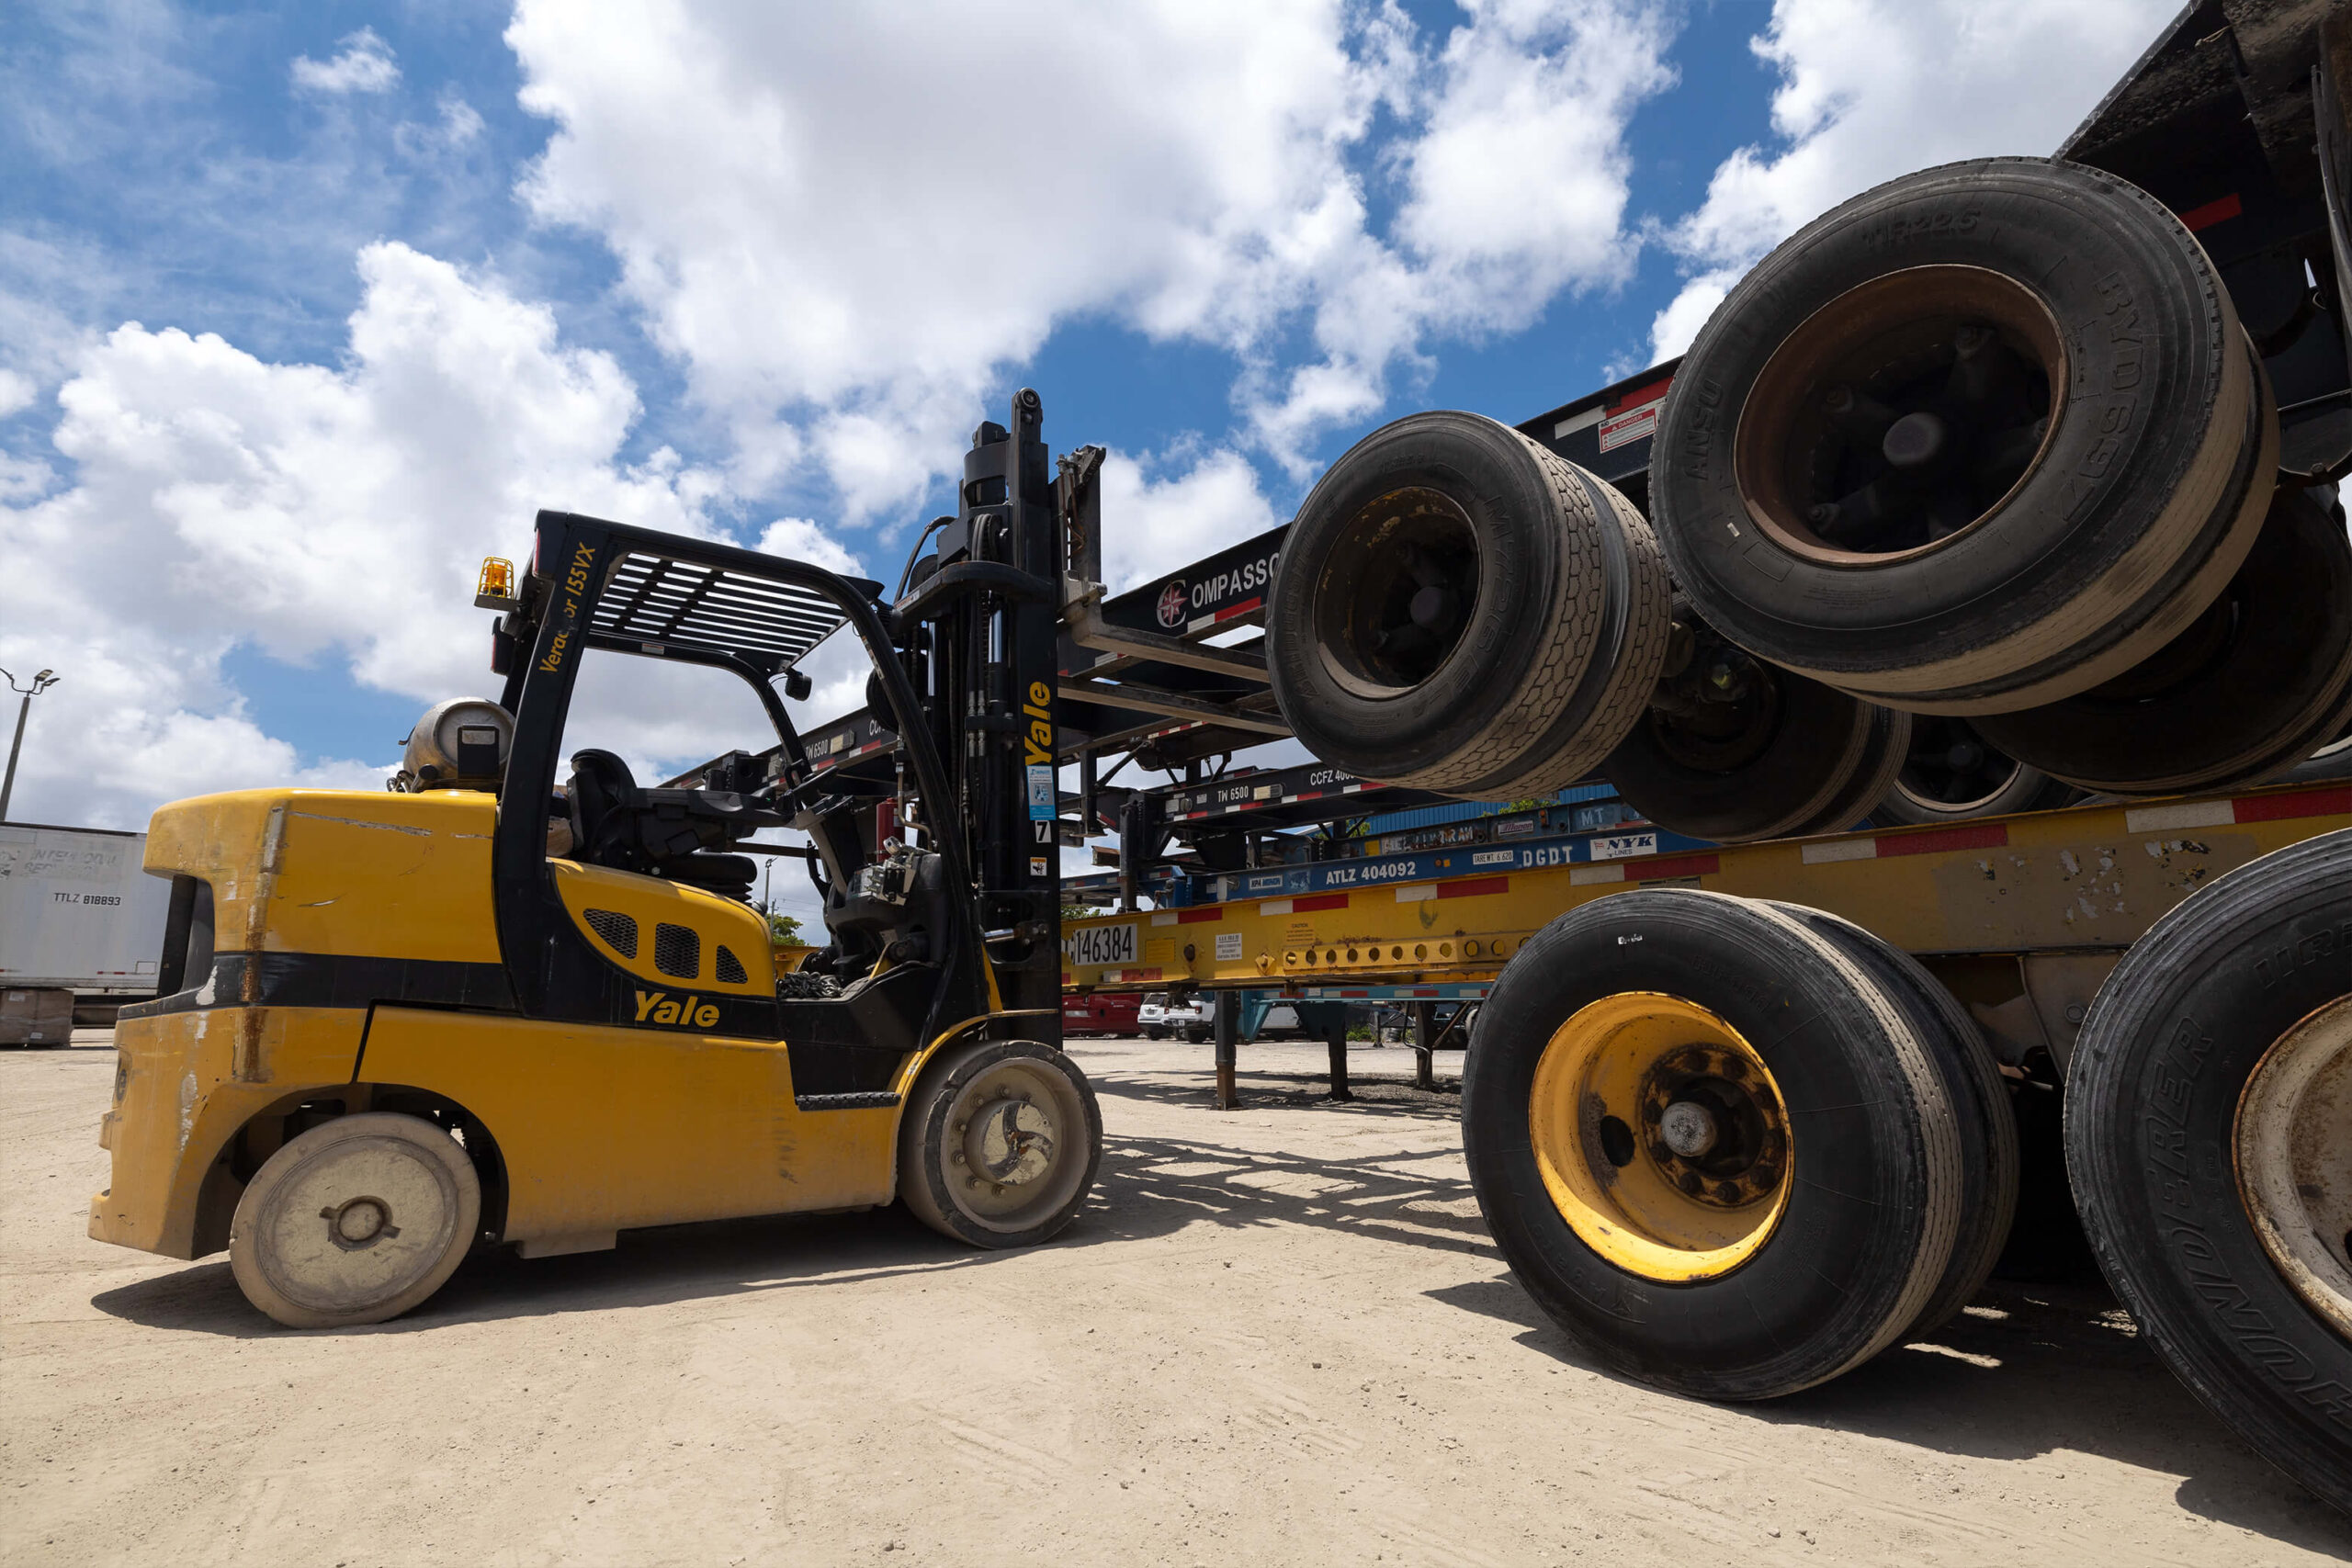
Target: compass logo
x: 1172, y: 605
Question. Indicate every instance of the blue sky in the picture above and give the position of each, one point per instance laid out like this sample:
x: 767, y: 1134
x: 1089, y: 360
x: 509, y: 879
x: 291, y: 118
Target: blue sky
x: 748, y: 270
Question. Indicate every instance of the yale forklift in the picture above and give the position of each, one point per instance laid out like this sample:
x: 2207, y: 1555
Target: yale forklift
x: 521, y: 998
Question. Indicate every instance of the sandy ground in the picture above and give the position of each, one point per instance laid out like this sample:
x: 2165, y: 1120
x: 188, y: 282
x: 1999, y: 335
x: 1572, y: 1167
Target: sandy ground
x: 1275, y: 1336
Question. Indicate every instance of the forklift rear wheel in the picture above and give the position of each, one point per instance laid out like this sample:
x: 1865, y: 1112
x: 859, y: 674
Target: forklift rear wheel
x: 2208, y: 1143
x: 1710, y: 1146
x: 354, y: 1222
x: 998, y: 1144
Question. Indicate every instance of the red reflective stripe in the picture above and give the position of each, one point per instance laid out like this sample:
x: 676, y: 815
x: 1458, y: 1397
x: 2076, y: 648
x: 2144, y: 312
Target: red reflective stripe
x: 2302, y: 803
x: 1974, y: 836
x: 1194, y: 917
x: 1648, y: 394
x: 1241, y: 609
x: 1321, y: 901
x: 2213, y: 212
x: 1472, y: 886
x: 1674, y: 865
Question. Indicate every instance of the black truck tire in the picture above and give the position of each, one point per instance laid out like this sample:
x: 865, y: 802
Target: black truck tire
x: 1980, y: 1103
x: 1956, y: 774
x: 1457, y: 609
x: 998, y: 1142
x: 1819, y: 754
x: 2166, y: 1109
x: 1826, y: 1224
x: 2258, y: 683
x: 1885, y: 746
x: 1965, y: 303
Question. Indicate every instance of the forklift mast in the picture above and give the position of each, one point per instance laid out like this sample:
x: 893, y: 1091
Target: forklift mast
x: 993, y: 592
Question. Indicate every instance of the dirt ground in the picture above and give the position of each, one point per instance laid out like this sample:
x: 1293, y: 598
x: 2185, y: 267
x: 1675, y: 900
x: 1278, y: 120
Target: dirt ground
x: 1278, y: 1335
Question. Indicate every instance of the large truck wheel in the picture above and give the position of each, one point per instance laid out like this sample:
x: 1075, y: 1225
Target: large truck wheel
x: 1954, y: 774
x: 354, y: 1222
x: 1899, y: 460
x: 1980, y: 1103
x: 1457, y: 609
x: 1733, y: 751
x: 2209, y: 1141
x: 1710, y: 1146
x: 998, y: 1144
x: 2257, y: 683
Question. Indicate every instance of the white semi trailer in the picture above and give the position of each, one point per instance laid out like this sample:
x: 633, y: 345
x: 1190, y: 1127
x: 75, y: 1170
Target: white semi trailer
x: 78, y: 919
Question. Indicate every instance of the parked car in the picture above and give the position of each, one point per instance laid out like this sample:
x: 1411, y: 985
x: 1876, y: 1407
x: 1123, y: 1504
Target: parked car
x: 1101, y: 1012
x: 1194, y: 1018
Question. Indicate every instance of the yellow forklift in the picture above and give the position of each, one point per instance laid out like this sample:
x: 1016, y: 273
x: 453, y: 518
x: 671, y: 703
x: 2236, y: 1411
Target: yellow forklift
x: 521, y: 998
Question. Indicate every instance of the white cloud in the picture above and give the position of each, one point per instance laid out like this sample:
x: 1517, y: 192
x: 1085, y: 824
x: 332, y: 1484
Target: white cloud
x: 1153, y: 525
x: 1871, y: 89
x: 801, y: 539
x: 848, y: 222
x: 330, y: 517
x: 18, y: 392
x: 460, y: 125
x: 364, y: 67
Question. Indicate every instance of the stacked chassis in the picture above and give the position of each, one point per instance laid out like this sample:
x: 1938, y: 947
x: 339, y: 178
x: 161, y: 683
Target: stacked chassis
x: 2038, y: 452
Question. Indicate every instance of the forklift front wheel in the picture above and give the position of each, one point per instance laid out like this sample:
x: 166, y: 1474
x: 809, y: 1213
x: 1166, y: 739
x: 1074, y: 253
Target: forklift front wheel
x: 998, y: 1144
x: 354, y: 1222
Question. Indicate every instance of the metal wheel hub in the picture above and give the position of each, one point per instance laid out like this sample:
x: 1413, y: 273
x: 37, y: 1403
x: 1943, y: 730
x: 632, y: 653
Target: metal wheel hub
x: 1951, y: 766
x: 1660, y: 1137
x: 1012, y: 1149
x: 360, y: 1223
x: 1397, y: 592
x: 2293, y: 1154
x: 1708, y: 1129
x: 1715, y: 708
x: 1010, y: 1142
x: 1900, y: 415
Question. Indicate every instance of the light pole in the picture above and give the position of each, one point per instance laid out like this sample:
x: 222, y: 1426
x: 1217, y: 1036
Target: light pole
x: 42, y: 683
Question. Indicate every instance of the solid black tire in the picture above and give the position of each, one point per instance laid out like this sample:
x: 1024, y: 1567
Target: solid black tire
x: 1875, y: 1204
x: 2276, y: 688
x: 2027, y: 789
x: 1980, y: 1103
x: 2153, y: 480
x: 1562, y: 641
x: 1828, y: 751
x: 2152, y: 1105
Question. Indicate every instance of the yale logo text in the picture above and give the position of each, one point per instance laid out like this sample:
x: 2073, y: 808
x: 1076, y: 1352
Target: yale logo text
x: 660, y: 1007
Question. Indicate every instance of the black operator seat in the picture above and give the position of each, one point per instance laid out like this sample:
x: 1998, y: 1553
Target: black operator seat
x: 616, y: 824
x: 604, y: 804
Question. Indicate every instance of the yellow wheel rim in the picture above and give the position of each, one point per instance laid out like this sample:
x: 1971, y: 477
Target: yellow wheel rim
x: 1661, y: 1137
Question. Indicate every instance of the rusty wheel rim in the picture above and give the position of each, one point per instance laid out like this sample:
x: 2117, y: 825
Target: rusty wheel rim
x: 1902, y: 416
x: 1398, y: 589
